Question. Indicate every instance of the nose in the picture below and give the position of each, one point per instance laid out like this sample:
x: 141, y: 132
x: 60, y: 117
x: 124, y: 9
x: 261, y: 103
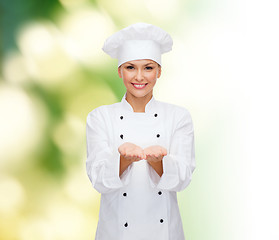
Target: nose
x: 139, y: 76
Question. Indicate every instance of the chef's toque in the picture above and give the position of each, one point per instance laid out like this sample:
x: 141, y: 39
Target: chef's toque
x: 138, y: 41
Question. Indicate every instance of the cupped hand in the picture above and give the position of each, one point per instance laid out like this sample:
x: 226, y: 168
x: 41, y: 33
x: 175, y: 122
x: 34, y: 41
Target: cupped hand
x: 131, y: 152
x: 155, y: 153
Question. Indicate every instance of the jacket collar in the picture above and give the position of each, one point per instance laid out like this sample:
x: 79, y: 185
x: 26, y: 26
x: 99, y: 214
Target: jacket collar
x: 149, y: 107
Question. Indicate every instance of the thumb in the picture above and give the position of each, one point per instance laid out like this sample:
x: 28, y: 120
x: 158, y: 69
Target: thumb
x: 164, y: 151
x: 143, y: 154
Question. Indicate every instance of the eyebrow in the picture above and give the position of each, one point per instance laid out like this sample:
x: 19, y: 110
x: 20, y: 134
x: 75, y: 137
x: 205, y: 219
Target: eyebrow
x: 143, y: 65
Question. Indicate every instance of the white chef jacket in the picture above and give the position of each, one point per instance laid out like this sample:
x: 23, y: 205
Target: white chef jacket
x: 139, y: 205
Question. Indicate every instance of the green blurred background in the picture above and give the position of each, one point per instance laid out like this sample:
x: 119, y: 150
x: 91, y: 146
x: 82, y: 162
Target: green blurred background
x: 53, y: 73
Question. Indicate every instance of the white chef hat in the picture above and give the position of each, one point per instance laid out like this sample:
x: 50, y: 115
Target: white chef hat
x: 138, y: 41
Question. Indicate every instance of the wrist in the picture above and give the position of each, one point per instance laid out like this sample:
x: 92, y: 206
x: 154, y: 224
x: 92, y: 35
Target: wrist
x: 159, y: 162
x: 157, y: 166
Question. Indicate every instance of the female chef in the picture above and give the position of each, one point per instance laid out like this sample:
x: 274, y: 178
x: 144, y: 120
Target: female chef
x: 140, y: 151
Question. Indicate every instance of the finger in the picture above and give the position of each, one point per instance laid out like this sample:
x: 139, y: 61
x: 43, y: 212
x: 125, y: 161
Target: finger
x: 136, y: 159
x: 151, y: 159
x: 123, y: 154
x: 130, y: 153
x: 163, y: 154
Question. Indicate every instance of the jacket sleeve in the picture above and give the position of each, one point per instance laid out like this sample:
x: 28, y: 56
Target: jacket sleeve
x: 179, y: 163
x: 102, y: 164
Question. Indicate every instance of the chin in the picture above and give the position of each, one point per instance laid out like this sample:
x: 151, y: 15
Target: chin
x: 140, y: 95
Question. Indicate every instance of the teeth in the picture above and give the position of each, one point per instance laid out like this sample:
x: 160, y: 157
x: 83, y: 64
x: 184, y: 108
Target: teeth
x: 139, y: 85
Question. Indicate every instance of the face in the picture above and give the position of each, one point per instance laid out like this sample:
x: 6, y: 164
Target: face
x: 139, y: 76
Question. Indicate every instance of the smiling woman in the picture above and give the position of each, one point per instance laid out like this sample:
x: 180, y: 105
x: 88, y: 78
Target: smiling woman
x: 140, y: 151
x: 139, y: 78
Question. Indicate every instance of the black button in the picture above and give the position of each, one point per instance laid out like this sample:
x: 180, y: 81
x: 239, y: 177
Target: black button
x: 158, y: 135
x: 126, y: 224
x: 124, y: 194
x: 155, y: 115
x: 121, y: 117
x: 159, y: 192
x: 121, y: 136
x: 161, y: 220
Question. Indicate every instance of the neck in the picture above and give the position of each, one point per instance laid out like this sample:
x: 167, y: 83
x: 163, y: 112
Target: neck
x: 138, y: 103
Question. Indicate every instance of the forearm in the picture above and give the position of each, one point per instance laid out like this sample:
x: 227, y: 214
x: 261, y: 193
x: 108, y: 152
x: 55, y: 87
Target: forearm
x: 124, y: 164
x: 157, y: 166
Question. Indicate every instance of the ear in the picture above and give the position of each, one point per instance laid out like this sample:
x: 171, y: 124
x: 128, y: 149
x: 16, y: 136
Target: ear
x: 119, y: 72
x: 159, y: 72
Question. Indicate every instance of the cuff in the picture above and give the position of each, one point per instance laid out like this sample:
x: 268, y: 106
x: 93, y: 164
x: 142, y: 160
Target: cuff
x: 111, y: 173
x: 170, y: 176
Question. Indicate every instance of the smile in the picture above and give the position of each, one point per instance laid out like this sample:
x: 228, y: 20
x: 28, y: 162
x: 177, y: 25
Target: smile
x: 139, y: 86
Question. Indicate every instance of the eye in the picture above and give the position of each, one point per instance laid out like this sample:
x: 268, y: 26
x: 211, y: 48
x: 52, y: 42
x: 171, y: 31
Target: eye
x: 130, y: 67
x: 149, y: 68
